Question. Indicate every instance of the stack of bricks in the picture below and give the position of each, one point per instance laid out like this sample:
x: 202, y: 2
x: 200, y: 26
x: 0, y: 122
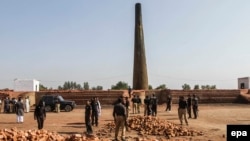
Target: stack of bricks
x: 149, y: 125
x: 19, y: 135
x: 40, y: 135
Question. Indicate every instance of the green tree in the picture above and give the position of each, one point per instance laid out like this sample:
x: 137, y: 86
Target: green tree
x: 150, y: 87
x: 186, y: 87
x: 213, y: 87
x: 42, y: 87
x: 99, y: 87
x: 196, y: 87
x: 86, y: 86
x: 60, y: 88
x: 208, y: 87
x: 120, y: 86
x: 70, y: 85
x: 161, y: 87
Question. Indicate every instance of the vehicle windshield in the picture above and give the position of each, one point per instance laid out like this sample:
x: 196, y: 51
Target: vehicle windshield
x: 60, y: 98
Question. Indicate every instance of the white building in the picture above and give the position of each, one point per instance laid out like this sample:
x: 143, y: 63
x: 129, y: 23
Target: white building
x: 26, y: 85
x: 243, y: 83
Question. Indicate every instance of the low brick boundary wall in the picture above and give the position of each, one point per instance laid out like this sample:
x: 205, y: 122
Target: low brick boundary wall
x: 80, y: 97
x: 108, y: 97
x: 205, y: 96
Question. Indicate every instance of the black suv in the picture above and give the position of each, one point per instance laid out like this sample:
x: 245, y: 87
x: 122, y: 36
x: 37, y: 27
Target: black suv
x: 50, y: 102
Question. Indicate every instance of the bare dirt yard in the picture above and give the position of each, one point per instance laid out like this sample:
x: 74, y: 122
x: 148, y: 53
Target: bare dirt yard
x: 212, y: 121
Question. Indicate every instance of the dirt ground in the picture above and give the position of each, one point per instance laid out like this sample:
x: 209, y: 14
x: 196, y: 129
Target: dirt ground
x: 212, y: 120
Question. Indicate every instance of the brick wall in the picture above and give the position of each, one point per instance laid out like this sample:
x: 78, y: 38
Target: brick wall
x: 109, y: 96
x: 80, y: 97
x: 205, y: 96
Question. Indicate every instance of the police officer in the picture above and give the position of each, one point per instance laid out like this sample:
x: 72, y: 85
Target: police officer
x: 95, y: 111
x: 189, y: 106
x: 134, y: 101
x: 138, y: 101
x: 182, y: 109
x: 195, y: 106
x: 88, y: 113
x: 119, y: 114
x: 169, y: 102
x: 154, y: 102
x: 127, y: 105
x: 40, y: 114
x: 147, y: 109
x: 129, y: 91
x: 7, y: 105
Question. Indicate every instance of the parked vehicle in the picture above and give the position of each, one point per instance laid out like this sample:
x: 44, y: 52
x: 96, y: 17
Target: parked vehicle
x: 50, y: 103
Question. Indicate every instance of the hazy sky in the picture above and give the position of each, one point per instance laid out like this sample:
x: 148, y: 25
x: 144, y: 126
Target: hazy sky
x: 186, y: 41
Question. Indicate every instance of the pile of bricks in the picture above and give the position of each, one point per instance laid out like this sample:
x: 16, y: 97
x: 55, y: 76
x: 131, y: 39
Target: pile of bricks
x: 149, y: 125
x: 40, y: 135
x: 142, y: 125
x: 154, y: 126
x: 34, y: 135
x: 79, y: 137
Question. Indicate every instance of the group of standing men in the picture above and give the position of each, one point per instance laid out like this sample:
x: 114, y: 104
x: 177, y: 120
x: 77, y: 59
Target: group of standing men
x: 136, y: 100
x: 192, y: 103
x: 19, y: 107
x: 92, y: 113
x: 121, y: 111
x: 9, y: 105
x: 150, y: 105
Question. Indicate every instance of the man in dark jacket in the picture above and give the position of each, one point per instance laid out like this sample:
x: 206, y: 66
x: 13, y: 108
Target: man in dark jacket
x: 189, y: 106
x: 95, y: 111
x: 154, y: 102
x: 182, y: 109
x: 40, y: 114
x: 195, y: 106
x: 134, y: 101
x: 88, y: 113
x: 119, y: 114
x: 7, y: 105
x: 19, y: 110
x: 138, y: 101
x: 147, y: 108
x: 169, y: 102
x: 127, y: 105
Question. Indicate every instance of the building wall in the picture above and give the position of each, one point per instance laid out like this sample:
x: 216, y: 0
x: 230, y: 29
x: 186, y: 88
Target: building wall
x: 245, y: 81
x: 26, y: 85
x: 36, y: 85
